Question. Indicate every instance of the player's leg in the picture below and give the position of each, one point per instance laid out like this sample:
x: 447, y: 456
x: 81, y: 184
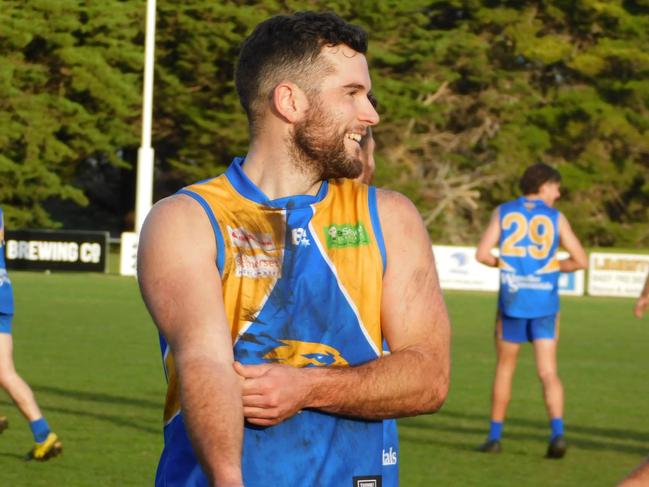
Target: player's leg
x: 546, y: 366
x: 10, y: 381
x: 507, y: 348
x: 5, y: 327
x: 47, y: 443
x: 545, y: 336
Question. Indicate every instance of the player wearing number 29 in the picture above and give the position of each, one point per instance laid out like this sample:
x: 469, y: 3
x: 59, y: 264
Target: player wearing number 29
x: 528, y: 232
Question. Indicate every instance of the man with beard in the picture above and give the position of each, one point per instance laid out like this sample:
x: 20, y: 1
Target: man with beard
x: 274, y: 285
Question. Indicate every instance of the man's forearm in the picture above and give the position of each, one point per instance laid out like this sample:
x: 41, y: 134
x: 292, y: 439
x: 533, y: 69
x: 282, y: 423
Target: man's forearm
x: 569, y: 265
x: 404, y: 383
x: 213, y: 415
x: 645, y: 289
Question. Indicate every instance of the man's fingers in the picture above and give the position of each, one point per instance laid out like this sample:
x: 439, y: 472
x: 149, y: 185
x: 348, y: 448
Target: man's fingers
x: 256, y: 387
x: 250, y: 371
x: 256, y: 413
x: 262, y: 422
x: 255, y: 401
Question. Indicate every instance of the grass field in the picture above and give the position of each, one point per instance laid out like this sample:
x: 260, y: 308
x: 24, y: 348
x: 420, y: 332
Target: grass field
x: 86, y: 345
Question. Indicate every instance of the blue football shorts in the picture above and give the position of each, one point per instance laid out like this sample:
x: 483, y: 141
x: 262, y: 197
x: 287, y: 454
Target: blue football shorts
x: 520, y: 330
x: 5, y: 323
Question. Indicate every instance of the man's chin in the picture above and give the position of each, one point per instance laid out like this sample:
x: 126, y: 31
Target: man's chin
x: 348, y: 172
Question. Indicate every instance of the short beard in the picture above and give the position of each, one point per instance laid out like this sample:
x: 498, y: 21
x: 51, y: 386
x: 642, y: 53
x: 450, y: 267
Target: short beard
x: 317, y: 147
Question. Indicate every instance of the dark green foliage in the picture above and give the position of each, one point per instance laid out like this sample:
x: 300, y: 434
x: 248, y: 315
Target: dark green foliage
x: 69, y: 78
x: 470, y: 93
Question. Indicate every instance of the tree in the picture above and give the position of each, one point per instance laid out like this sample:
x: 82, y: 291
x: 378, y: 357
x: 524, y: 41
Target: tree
x: 475, y: 91
x: 69, y: 74
x: 470, y: 93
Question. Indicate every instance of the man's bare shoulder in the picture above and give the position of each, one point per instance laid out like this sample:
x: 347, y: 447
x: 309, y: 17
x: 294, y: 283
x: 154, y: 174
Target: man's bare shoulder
x: 177, y: 221
x: 176, y: 206
x: 394, y: 205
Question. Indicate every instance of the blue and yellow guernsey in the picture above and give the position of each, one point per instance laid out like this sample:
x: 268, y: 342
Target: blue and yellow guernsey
x: 302, y: 279
x: 529, y: 268
x: 6, y: 293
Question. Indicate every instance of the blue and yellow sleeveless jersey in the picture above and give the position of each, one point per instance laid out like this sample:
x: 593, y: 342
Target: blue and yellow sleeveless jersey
x: 6, y: 293
x: 529, y: 268
x: 302, y: 282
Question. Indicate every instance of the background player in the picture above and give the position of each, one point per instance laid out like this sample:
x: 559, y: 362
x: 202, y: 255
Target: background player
x: 643, y: 300
x: 390, y: 454
x: 529, y: 231
x: 367, y: 156
x: 47, y: 443
x: 640, y: 476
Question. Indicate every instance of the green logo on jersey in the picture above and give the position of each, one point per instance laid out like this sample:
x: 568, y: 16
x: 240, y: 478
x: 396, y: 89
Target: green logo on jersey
x: 346, y: 235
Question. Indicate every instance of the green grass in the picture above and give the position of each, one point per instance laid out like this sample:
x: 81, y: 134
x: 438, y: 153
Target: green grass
x: 86, y: 345
x: 88, y: 349
x: 603, y: 362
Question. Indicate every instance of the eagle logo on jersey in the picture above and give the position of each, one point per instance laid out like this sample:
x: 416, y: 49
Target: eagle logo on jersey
x: 305, y: 354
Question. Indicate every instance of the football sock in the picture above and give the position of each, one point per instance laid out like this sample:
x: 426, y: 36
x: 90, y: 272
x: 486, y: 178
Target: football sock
x: 40, y: 429
x: 495, y: 430
x: 557, y: 427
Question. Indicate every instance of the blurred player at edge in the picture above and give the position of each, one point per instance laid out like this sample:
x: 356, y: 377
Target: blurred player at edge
x: 367, y: 155
x: 390, y: 454
x: 643, y: 300
x: 274, y: 285
x: 528, y: 231
x: 640, y: 476
x: 47, y: 444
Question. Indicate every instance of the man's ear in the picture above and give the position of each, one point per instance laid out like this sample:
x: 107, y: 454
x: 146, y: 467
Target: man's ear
x: 289, y: 102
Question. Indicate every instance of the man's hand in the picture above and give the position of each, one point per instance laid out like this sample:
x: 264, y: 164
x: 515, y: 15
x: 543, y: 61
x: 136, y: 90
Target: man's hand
x: 641, y: 306
x: 271, y: 393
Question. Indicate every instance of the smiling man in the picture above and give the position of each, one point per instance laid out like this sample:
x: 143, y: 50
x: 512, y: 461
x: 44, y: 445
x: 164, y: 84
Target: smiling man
x: 274, y: 285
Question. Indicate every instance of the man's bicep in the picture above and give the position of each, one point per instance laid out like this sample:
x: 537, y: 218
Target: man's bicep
x: 569, y: 240
x: 413, y: 312
x: 179, y: 280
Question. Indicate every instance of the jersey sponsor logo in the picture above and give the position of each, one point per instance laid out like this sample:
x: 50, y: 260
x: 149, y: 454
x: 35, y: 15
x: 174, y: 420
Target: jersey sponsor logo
x: 299, y: 237
x: 389, y: 457
x: 305, y: 354
x: 515, y: 282
x: 345, y: 235
x: 367, y: 481
x: 242, y: 238
x: 257, y: 266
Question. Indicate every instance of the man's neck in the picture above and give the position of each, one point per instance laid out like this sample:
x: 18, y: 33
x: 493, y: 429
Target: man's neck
x: 272, y: 169
x: 538, y: 197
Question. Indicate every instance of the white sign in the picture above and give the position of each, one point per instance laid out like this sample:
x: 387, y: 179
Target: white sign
x: 570, y: 283
x: 617, y: 274
x: 128, y: 254
x: 458, y: 268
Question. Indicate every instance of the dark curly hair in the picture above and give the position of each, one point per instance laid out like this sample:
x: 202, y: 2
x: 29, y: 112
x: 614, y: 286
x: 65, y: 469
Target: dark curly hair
x: 536, y: 176
x: 287, y: 47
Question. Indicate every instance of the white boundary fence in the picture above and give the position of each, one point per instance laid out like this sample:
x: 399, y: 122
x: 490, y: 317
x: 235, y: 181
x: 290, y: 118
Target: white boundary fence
x: 617, y: 274
x: 458, y: 269
x: 609, y: 274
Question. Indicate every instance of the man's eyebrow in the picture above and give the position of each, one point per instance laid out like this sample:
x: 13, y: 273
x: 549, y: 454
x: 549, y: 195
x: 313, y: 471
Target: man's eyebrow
x: 357, y: 86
